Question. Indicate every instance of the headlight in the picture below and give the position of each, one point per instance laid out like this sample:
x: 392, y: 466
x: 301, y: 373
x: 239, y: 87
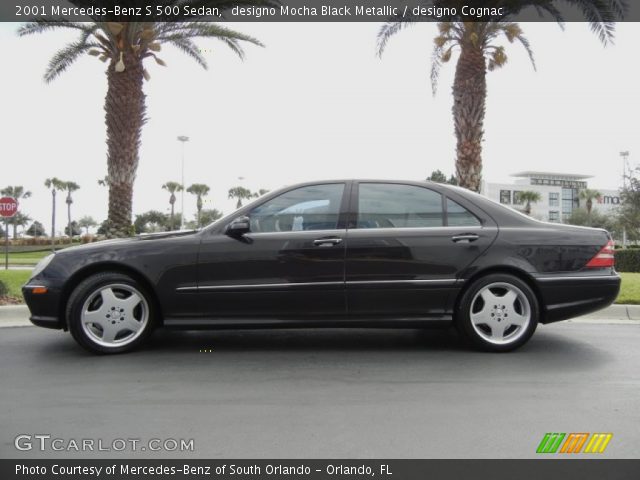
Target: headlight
x: 42, y: 264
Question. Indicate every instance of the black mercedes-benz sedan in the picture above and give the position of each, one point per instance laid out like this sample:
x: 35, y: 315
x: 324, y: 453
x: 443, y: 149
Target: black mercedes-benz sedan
x: 343, y: 253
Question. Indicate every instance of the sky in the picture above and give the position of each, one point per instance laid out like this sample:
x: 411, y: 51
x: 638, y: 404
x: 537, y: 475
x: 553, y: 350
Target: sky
x: 316, y: 103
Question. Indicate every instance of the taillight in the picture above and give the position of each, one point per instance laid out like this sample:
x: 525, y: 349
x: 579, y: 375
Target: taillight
x: 604, y: 258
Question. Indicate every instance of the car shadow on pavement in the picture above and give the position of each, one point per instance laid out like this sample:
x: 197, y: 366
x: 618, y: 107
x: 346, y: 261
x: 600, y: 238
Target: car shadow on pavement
x: 553, y: 348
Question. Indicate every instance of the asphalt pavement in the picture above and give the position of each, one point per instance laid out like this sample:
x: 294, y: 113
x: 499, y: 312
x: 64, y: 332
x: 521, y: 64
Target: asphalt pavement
x: 323, y: 393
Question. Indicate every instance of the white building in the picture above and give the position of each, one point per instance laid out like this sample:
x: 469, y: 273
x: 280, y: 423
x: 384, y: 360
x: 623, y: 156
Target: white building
x: 559, y: 192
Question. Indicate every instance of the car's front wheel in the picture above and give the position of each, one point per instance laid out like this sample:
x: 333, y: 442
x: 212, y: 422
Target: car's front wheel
x: 110, y: 313
x: 498, y: 313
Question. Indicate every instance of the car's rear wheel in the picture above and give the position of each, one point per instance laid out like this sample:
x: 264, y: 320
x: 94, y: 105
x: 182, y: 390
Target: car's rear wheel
x: 498, y: 313
x: 110, y: 313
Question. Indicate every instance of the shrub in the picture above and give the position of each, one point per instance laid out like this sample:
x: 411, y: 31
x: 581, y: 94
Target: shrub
x: 628, y: 260
x: 4, y: 290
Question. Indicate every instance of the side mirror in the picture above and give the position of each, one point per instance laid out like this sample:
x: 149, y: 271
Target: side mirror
x: 238, y: 227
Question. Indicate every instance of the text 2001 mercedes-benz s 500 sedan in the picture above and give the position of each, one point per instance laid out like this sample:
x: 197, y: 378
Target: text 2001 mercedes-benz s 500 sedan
x: 344, y: 253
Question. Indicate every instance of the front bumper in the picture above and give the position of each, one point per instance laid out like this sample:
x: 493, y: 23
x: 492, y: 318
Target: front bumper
x: 567, y: 297
x: 44, y: 307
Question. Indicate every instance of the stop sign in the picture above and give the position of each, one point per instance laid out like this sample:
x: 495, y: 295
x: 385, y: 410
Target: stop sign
x: 8, y: 207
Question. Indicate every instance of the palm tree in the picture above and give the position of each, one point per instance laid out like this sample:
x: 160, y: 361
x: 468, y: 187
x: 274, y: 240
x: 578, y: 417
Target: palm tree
x: 589, y: 195
x: 54, y: 184
x: 87, y: 222
x: 240, y: 193
x: 18, y: 192
x: 528, y: 197
x: 18, y: 220
x: 199, y: 190
x: 479, y: 51
x: 70, y: 187
x: 172, y: 188
x: 125, y: 46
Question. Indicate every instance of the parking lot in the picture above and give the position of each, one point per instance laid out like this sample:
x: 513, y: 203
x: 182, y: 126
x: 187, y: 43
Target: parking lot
x: 324, y: 393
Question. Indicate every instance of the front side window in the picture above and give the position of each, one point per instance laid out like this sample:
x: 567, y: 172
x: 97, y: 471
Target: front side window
x: 314, y: 207
x: 386, y: 205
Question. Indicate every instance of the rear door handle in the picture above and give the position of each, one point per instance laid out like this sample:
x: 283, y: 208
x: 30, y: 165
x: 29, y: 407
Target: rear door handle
x: 465, y: 238
x: 327, y: 242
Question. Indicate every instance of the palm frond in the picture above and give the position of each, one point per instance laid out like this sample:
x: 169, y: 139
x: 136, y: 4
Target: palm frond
x: 388, y: 30
x: 189, y: 48
x: 64, y: 58
x: 40, y: 25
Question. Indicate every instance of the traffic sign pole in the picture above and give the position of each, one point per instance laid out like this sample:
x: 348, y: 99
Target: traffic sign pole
x: 6, y: 244
x: 8, y: 208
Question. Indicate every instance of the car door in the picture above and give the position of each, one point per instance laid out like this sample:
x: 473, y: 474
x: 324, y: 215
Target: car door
x: 407, y: 245
x: 290, y: 263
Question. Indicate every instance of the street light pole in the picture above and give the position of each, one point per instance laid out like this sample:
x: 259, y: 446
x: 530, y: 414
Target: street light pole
x: 182, y: 139
x: 625, y: 159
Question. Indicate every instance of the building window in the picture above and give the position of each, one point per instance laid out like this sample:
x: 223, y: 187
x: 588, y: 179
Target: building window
x: 516, y: 198
x: 505, y: 196
x: 554, y: 216
x: 569, y: 200
x: 554, y: 199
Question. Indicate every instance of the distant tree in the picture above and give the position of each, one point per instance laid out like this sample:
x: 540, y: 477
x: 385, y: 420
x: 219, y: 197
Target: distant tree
x: 87, y: 222
x: 629, y: 212
x: 36, y: 230
x: 73, y: 229
x: 261, y: 192
x: 70, y: 187
x: 208, y: 216
x: 151, y: 221
x: 172, y: 188
x: 582, y: 218
x: 18, y: 220
x: 18, y: 192
x: 528, y: 197
x: 103, y: 228
x: 589, y: 196
x: 55, y: 185
x: 240, y: 193
x: 199, y: 190
x: 439, y: 177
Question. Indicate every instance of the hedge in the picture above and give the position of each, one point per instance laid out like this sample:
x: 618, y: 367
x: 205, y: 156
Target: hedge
x: 628, y: 260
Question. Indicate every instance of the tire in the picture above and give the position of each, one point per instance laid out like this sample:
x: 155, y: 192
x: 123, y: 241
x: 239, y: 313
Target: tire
x: 498, y: 313
x: 110, y: 313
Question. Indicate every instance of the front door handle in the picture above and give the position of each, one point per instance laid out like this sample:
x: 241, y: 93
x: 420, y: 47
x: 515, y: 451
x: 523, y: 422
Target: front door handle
x: 327, y: 242
x: 465, y: 238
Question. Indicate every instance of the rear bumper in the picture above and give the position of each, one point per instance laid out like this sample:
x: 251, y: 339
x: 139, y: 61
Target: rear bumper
x: 567, y: 297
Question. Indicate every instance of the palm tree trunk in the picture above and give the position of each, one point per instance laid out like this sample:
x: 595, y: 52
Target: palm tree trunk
x: 173, y: 223
x: 15, y: 231
x: 469, y: 96
x: 53, y: 219
x: 125, y: 115
x: 69, y: 221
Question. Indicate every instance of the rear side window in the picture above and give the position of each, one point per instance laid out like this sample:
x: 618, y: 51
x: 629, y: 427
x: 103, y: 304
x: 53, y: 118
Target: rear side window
x: 314, y: 207
x: 458, y: 216
x: 388, y: 205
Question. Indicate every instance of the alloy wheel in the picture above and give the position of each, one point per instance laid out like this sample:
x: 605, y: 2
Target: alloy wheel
x: 500, y: 313
x: 114, y: 315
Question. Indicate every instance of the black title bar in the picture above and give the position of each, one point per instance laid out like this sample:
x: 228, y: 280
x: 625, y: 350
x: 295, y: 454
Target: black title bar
x: 311, y: 10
